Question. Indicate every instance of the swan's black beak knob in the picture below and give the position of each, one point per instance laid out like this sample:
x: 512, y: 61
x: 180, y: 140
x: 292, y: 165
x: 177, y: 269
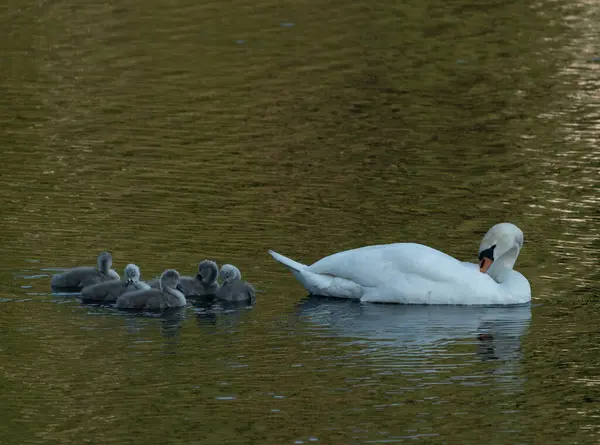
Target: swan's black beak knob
x: 486, y: 258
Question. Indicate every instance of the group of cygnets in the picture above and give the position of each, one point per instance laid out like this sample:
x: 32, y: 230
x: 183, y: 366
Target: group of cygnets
x: 103, y: 285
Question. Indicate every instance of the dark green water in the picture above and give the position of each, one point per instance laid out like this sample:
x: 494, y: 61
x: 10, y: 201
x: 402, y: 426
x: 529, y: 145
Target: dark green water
x: 170, y: 132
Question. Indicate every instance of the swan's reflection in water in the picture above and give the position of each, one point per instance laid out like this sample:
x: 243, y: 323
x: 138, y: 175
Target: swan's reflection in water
x: 423, y: 339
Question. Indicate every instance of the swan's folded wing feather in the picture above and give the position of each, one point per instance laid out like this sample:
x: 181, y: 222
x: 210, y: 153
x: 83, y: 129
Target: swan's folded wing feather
x: 373, y: 266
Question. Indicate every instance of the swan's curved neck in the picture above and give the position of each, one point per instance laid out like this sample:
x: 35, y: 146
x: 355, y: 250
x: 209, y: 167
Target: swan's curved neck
x: 504, y: 262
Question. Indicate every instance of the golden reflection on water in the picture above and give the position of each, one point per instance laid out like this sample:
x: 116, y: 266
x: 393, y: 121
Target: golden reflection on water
x: 172, y: 133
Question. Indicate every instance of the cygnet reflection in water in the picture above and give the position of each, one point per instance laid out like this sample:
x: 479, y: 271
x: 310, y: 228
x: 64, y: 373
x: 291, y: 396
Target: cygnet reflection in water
x: 109, y: 291
x: 169, y: 295
x: 79, y: 277
x: 169, y: 321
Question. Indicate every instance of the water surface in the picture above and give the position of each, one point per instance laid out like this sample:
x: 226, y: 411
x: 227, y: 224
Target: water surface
x: 172, y: 132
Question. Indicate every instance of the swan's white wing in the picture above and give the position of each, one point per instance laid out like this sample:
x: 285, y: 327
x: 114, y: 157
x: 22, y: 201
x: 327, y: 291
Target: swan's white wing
x: 373, y: 266
x: 471, y: 265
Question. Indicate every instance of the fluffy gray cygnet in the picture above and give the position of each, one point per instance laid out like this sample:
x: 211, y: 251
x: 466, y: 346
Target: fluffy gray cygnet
x: 80, y: 277
x: 232, y: 287
x: 170, y: 295
x: 204, y: 283
x: 109, y: 291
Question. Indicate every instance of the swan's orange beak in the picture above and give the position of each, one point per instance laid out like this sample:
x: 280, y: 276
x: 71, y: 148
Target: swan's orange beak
x: 486, y: 258
x: 485, y: 264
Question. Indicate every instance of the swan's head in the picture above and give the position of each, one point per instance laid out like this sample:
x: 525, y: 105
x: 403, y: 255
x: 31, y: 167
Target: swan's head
x: 104, y: 261
x: 229, y: 273
x: 207, y: 272
x: 132, y: 273
x: 501, y: 244
x: 170, y: 280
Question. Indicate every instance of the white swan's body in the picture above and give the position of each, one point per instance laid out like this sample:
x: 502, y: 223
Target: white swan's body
x: 410, y: 273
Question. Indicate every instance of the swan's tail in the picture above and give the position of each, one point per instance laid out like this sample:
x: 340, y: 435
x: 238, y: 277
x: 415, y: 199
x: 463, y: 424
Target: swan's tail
x: 288, y: 262
x: 298, y: 270
x: 317, y: 284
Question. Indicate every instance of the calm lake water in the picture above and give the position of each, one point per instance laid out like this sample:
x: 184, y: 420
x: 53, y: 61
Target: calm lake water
x: 171, y: 132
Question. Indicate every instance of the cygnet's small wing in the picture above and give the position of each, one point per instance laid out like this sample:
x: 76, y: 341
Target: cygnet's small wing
x: 141, y: 285
x: 112, y: 274
x: 192, y: 287
x: 250, y: 292
x: 237, y: 291
x: 76, y: 278
x: 140, y: 299
x: 154, y: 283
x: 107, y: 291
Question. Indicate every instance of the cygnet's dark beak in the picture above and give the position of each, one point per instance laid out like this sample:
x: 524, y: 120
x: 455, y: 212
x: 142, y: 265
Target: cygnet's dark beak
x: 180, y: 288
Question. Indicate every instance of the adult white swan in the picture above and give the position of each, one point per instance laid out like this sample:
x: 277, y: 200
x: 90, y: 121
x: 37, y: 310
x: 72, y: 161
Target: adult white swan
x: 409, y: 273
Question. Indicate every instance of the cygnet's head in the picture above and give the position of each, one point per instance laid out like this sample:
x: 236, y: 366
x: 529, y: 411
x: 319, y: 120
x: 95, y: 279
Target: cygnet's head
x: 207, y: 272
x: 229, y: 273
x: 170, y: 280
x: 132, y: 273
x: 104, y: 261
x: 502, y: 243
